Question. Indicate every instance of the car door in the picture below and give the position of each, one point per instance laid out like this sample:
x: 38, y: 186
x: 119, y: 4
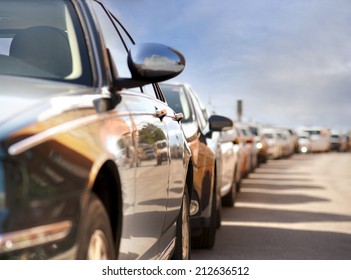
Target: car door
x: 176, y: 181
x: 151, y: 174
x: 203, y: 155
x: 226, y: 163
x: 143, y: 225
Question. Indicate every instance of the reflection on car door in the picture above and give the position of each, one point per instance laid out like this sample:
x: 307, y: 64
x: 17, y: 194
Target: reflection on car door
x: 143, y: 227
x: 176, y: 178
x: 151, y: 174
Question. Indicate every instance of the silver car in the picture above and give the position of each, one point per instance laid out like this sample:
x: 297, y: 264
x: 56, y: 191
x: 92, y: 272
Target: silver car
x: 81, y: 114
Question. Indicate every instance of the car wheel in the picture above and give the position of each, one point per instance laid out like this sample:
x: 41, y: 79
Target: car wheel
x: 229, y: 199
x: 208, y: 236
x: 219, y: 214
x: 95, y: 240
x: 182, y: 246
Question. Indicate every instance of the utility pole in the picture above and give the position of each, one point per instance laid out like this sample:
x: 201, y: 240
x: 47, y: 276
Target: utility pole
x: 239, y: 109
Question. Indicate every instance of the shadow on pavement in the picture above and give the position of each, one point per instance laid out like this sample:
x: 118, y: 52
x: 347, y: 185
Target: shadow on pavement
x: 270, y: 198
x: 263, y: 243
x: 248, y: 214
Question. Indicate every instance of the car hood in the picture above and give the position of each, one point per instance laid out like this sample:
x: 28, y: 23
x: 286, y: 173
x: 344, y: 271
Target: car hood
x: 24, y: 100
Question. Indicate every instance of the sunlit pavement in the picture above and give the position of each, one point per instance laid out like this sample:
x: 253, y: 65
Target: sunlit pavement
x: 296, y: 208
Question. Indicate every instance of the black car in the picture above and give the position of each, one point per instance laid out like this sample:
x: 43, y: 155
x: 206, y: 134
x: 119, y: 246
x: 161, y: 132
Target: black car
x: 75, y: 182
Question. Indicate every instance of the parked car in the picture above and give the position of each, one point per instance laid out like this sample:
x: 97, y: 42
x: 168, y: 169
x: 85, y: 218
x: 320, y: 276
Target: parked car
x: 320, y: 139
x: 338, y: 141
x: 232, y: 135
x: 248, y: 139
x: 73, y: 182
x: 304, y: 141
x: 260, y: 143
x: 294, y: 139
x: 288, y: 146
x: 274, y: 143
x: 240, y: 143
x: 344, y: 143
x: 200, y: 130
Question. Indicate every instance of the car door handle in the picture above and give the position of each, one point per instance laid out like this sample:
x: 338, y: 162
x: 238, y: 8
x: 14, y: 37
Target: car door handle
x: 178, y: 117
x: 160, y: 113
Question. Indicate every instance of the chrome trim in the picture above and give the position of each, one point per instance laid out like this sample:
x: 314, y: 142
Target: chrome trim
x: 81, y: 10
x: 34, y: 236
x: 41, y: 137
x: 194, y: 207
x: 166, y: 254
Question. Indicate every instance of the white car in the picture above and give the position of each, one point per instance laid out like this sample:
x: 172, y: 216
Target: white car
x: 304, y: 142
x: 274, y: 144
x: 320, y: 139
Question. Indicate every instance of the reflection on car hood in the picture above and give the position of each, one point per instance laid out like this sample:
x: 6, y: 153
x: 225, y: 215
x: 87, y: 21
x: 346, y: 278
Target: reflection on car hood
x: 23, y: 100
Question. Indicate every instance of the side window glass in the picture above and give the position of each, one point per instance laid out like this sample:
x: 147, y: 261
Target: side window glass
x: 200, y: 110
x: 112, y: 41
x: 5, y: 46
x: 149, y: 90
x: 178, y: 100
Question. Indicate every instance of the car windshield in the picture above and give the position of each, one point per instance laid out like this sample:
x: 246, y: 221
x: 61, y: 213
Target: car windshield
x: 42, y: 39
x: 269, y: 135
x: 254, y: 130
x: 314, y: 132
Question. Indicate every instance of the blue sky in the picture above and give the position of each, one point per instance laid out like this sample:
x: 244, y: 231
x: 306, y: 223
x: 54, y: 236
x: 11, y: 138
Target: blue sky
x: 288, y: 60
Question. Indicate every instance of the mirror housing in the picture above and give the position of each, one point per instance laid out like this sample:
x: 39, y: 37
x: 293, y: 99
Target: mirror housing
x: 151, y: 63
x: 220, y: 123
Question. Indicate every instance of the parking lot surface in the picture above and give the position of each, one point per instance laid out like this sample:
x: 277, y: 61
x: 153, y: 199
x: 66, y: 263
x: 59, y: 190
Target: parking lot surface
x: 290, y: 209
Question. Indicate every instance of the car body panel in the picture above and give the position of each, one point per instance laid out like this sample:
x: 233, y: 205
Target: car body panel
x: 214, y: 158
x: 203, y: 157
x: 62, y: 141
x: 274, y: 145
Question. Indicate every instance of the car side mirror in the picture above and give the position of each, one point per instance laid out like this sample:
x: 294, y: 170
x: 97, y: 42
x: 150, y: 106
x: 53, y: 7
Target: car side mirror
x: 219, y: 123
x: 151, y: 63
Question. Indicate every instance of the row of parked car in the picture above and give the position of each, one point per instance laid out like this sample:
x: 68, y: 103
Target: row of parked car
x: 100, y: 157
x: 223, y: 152
x: 226, y: 151
x: 282, y: 142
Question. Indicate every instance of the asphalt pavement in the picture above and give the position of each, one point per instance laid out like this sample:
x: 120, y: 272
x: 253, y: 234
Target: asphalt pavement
x: 289, y: 209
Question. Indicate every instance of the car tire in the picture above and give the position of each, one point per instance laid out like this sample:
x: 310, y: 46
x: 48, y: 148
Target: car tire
x: 219, y: 214
x: 229, y: 199
x: 207, y: 238
x: 182, y: 245
x: 96, y: 239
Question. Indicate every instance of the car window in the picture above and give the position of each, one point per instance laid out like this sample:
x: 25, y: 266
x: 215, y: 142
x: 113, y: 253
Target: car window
x: 269, y: 135
x: 254, y: 130
x: 150, y: 90
x: 43, y: 39
x: 178, y: 101
x: 113, y: 41
x: 200, y: 110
